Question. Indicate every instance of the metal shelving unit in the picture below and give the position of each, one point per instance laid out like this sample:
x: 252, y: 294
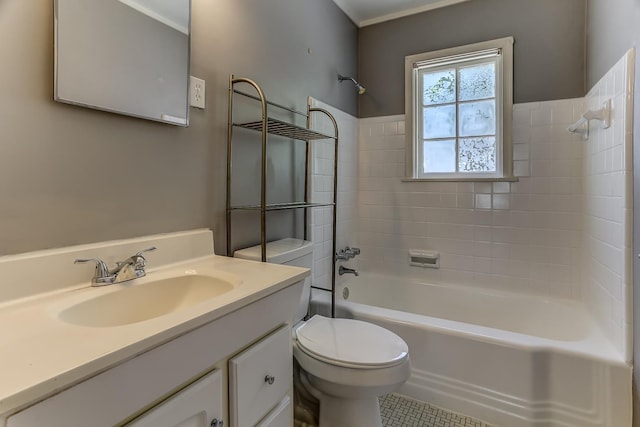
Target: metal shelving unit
x: 280, y: 206
x: 270, y: 126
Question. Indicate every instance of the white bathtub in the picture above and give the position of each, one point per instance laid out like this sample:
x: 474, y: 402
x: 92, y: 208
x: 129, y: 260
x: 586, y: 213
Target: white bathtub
x: 513, y: 361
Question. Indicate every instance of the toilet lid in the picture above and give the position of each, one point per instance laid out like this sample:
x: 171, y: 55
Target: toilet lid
x: 350, y: 342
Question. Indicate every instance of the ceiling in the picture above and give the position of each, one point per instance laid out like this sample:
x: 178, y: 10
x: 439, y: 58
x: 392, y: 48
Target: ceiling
x: 368, y: 12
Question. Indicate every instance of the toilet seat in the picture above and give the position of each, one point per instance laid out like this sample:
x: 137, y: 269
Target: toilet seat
x: 351, y: 343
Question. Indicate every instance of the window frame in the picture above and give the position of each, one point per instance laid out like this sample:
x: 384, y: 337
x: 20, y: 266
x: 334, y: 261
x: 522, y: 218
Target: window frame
x: 504, y: 102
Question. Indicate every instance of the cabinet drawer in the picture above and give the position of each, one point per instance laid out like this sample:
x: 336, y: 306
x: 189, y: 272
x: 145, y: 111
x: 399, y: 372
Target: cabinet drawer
x: 281, y: 416
x: 260, y: 377
x: 195, y: 406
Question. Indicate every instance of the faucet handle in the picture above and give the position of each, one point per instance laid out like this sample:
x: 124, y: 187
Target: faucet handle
x: 102, y: 274
x: 139, y: 259
x: 151, y: 249
x: 351, y: 252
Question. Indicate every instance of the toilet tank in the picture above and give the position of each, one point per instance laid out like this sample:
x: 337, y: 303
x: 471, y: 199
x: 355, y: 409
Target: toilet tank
x: 295, y: 252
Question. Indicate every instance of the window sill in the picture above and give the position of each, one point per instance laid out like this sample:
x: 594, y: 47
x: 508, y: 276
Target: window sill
x: 502, y: 179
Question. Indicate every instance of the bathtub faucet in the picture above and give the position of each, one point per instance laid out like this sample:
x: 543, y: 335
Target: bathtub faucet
x: 347, y: 253
x: 351, y: 252
x: 343, y: 270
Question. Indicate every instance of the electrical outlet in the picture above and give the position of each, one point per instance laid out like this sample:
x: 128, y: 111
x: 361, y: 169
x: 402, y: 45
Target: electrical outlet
x: 196, y: 92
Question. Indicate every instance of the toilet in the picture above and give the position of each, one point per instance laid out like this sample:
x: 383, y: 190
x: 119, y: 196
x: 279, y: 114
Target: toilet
x: 346, y: 364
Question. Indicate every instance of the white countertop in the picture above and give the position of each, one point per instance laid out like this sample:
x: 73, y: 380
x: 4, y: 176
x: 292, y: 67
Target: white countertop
x: 41, y: 354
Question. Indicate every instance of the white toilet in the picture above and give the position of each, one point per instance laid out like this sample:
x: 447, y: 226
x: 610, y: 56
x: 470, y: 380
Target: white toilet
x: 347, y: 363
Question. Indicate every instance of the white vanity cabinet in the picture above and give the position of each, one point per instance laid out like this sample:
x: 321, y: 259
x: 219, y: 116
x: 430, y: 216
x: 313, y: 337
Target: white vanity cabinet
x: 198, y: 405
x: 183, y: 382
x: 261, y: 382
x: 280, y: 416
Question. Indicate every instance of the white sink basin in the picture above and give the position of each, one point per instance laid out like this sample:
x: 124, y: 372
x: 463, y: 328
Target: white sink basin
x: 145, y: 301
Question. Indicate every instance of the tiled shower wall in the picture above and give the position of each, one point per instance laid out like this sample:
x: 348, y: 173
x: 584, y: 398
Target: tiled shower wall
x: 522, y: 236
x: 322, y: 190
x: 607, y: 237
x: 562, y: 230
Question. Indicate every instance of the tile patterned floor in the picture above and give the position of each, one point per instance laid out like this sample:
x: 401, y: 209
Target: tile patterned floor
x: 399, y: 411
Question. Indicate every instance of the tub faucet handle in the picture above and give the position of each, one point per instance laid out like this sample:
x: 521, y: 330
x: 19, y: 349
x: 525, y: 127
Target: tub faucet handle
x: 352, y: 252
x: 342, y: 255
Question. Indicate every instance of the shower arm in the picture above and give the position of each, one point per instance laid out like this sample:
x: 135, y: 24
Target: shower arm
x: 343, y: 78
x: 361, y: 89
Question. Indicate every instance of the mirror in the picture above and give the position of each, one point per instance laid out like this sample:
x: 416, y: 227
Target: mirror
x: 124, y: 56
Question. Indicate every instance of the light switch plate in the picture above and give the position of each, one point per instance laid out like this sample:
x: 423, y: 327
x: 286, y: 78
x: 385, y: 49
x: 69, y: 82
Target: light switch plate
x: 196, y: 92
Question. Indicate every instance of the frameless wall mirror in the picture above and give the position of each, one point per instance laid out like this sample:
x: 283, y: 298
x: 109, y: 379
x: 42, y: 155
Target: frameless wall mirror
x: 124, y: 56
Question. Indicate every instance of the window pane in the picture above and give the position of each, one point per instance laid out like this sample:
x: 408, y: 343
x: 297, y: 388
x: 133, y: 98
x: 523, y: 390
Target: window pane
x: 477, y: 155
x: 439, y: 156
x: 478, y: 82
x: 478, y: 118
x: 439, y: 122
x: 439, y: 87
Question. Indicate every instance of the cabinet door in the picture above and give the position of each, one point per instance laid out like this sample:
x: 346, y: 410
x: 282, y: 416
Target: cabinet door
x: 195, y: 406
x: 281, y: 416
x: 260, y: 377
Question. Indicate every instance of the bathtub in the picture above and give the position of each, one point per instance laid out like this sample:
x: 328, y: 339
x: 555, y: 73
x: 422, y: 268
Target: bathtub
x: 510, y: 360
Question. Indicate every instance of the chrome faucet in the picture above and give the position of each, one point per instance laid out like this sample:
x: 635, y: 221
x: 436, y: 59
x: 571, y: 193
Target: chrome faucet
x: 343, y: 270
x: 347, y: 253
x: 129, y: 269
x: 351, y: 252
x: 342, y: 256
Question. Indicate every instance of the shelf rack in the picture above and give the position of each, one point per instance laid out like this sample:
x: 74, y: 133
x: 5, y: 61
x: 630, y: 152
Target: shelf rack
x: 271, y: 126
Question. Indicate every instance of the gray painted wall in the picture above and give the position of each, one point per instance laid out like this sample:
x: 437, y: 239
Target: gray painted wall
x: 612, y: 29
x: 71, y: 175
x: 548, y: 51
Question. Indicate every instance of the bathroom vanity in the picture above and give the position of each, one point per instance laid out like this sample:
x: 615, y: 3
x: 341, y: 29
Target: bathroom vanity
x: 224, y: 360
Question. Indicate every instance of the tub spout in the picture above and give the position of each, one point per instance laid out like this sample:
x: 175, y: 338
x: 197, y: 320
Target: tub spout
x: 342, y: 270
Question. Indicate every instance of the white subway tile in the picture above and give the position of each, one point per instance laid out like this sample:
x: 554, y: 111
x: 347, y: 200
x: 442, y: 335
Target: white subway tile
x: 465, y: 200
x: 501, y: 201
x: 521, y: 116
x: 521, y: 168
x: 542, y: 115
x: 464, y: 187
x: 541, y: 134
x: 401, y: 127
x: 521, y: 134
x: 390, y: 128
x: 520, y: 151
x: 483, y: 187
x: 562, y: 112
x: 483, y: 201
x: 501, y: 187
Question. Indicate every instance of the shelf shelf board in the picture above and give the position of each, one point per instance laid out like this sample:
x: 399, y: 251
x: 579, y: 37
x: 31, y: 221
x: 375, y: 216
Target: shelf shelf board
x: 288, y: 130
x: 281, y: 206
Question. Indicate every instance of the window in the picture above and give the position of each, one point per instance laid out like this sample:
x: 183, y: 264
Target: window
x: 458, y: 112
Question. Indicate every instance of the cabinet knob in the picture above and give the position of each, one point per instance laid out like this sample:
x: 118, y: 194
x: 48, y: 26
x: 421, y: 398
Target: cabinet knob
x: 216, y: 423
x: 269, y: 379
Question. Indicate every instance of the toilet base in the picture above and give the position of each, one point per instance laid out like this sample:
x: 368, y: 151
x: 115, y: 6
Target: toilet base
x: 341, y: 412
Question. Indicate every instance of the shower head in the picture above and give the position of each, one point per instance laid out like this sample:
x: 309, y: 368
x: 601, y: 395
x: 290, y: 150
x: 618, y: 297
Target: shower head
x: 361, y: 89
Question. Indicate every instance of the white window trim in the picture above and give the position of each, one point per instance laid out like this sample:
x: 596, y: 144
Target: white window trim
x: 506, y: 47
